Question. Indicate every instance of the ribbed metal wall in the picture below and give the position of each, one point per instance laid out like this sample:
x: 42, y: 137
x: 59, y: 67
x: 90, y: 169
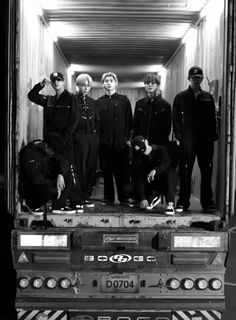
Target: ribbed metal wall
x: 117, y: 32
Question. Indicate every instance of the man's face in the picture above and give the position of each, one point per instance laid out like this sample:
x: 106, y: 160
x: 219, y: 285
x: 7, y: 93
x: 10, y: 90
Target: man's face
x: 195, y: 81
x: 109, y: 83
x: 151, y: 87
x: 84, y: 88
x: 58, y: 84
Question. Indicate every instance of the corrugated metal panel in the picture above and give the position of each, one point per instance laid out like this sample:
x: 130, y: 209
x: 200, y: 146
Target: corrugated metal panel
x: 118, y: 32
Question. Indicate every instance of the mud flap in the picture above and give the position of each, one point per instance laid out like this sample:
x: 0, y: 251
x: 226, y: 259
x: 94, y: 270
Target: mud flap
x: 196, y: 315
x: 42, y: 314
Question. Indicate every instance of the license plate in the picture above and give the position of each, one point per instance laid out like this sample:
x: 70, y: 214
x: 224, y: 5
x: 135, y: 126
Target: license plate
x: 120, y: 283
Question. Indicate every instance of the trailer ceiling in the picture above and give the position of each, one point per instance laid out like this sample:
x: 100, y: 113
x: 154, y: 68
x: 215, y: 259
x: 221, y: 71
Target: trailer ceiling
x: 120, y: 34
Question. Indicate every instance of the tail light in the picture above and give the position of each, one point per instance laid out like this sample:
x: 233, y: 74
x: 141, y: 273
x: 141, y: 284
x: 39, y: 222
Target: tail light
x: 201, y: 284
x: 24, y: 282
x: 37, y: 282
x: 215, y: 284
x: 65, y: 283
x: 188, y: 283
x: 173, y: 283
x: 51, y: 283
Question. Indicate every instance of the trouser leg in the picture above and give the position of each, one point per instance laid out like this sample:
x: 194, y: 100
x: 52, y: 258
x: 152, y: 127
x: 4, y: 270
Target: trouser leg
x: 138, y: 177
x: 187, y: 158
x: 37, y: 195
x: 107, y: 171
x: 91, y: 166
x: 205, y: 162
x: 122, y: 174
x: 171, y: 180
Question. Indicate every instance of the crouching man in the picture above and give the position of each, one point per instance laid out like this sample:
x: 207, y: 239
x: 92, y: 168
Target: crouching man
x: 45, y: 175
x: 151, y: 175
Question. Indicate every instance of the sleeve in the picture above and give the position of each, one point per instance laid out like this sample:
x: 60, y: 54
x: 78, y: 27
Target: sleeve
x: 31, y: 159
x: 166, y: 128
x: 176, y: 118
x: 136, y: 121
x: 164, y: 160
x: 35, y: 97
x: 213, y: 120
x: 129, y: 119
x: 97, y: 118
x: 62, y: 165
x: 73, y: 119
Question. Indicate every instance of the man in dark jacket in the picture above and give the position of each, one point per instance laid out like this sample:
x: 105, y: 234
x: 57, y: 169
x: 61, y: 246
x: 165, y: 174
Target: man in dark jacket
x: 152, y: 115
x: 152, y: 120
x: 115, y: 116
x: 45, y: 175
x: 86, y: 138
x: 60, y: 120
x: 60, y: 114
x: 194, y: 124
x: 150, y: 173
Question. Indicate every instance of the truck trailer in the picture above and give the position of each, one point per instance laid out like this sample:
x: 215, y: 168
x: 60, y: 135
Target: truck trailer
x: 119, y: 263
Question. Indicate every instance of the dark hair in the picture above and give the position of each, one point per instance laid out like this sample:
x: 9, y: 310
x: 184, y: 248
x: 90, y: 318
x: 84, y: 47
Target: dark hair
x: 150, y: 77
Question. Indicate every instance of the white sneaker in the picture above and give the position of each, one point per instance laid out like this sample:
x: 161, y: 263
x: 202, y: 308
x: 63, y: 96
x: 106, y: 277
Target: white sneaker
x: 89, y: 204
x: 37, y: 212
x: 79, y: 208
x: 154, y: 203
x: 170, y: 209
x: 65, y: 210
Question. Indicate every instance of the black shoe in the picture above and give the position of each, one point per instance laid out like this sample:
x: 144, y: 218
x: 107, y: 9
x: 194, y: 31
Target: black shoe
x: 64, y: 210
x: 210, y: 208
x: 37, y: 212
x: 127, y: 202
x: 106, y: 202
x: 89, y: 204
x: 179, y: 208
x: 79, y: 208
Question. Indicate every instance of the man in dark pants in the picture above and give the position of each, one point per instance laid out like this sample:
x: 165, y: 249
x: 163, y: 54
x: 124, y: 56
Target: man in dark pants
x: 45, y: 175
x: 151, y: 178
x: 194, y: 124
x: 86, y: 138
x: 152, y: 120
x: 115, y: 116
x: 60, y: 118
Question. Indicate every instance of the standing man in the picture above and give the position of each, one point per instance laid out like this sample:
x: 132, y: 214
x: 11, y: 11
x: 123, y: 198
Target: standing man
x: 60, y: 120
x: 194, y: 124
x: 152, y: 116
x: 60, y: 114
x: 152, y: 120
x: 86, y: 138
x: 115, y: 116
